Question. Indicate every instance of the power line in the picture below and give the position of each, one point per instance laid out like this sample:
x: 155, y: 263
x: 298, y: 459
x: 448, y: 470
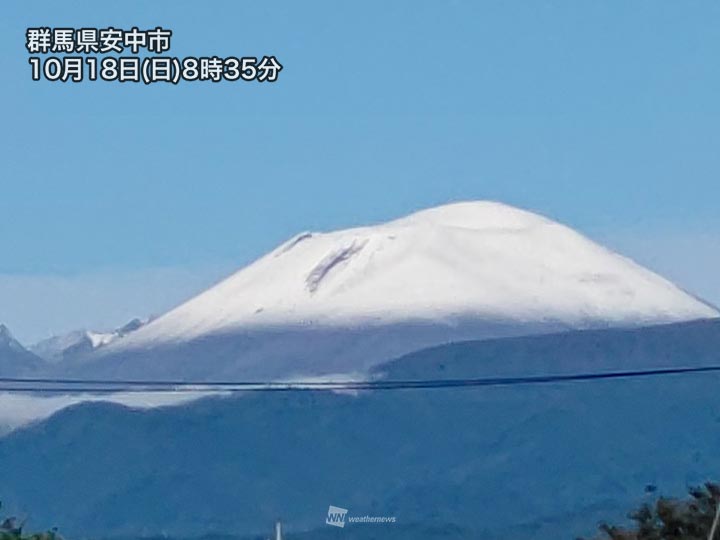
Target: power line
x: 105, y: 386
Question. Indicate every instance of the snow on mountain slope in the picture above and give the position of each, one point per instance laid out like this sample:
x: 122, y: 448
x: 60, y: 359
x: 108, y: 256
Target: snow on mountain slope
x: 475, y: 259
x: 80, y: 342
x: 325, y: 304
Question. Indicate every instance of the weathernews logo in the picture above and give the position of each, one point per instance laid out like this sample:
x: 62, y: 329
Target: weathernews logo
x: 337, y: 517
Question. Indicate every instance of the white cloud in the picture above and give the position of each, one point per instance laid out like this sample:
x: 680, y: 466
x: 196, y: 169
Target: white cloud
x: 17, y: 410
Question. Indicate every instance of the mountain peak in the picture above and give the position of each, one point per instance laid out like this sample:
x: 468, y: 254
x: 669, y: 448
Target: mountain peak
x: 503, y: 269
x: 14, y: 358
x: 81, y: 342
x: 477, y: 215
x: 7, y: 340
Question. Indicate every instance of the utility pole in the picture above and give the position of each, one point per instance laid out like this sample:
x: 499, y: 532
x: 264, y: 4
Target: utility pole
x: 714, y: 527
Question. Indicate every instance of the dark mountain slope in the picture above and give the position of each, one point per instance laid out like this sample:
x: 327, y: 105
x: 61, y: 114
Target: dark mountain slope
x: 543, y: 461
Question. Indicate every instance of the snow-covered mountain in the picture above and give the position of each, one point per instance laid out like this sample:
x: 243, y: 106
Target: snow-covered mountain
x: 80, y: 342
x: 344, y: 301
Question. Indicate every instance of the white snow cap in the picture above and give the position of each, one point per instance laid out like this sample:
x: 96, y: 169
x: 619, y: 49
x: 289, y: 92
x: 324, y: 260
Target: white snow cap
x: 471, y: 259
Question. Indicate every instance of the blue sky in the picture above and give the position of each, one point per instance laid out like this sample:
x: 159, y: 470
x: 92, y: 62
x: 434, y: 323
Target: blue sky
x: 120, y: 200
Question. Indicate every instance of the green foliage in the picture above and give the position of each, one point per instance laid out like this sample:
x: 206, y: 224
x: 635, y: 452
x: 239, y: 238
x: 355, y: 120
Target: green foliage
x: 10, y: 529
x: 671, y: 519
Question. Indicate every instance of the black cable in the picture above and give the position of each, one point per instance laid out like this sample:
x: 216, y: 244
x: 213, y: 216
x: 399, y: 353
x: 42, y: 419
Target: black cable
x: 110, y: 386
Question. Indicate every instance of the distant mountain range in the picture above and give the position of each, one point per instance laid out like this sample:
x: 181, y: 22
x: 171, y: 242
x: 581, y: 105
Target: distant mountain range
x: 543, y: 461
x: 49, y: 355
x: 80, y: 343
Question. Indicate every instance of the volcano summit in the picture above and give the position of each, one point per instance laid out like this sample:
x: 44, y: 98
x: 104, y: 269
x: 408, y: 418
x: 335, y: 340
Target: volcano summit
x: 344, y: 301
